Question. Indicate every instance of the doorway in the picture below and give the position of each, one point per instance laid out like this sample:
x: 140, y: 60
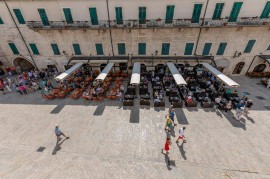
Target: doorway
x: 259, y: 68
x: 238, y: 68
x: 23, y: 63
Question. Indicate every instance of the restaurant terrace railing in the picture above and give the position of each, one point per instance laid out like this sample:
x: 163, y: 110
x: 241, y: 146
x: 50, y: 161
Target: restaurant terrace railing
x: 153, y: 23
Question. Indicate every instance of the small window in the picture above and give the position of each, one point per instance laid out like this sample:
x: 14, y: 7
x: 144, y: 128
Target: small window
x: 221, y: 48
x: 249, y: 46
x: 141, y: 48
x: 19, y: 16
x: 77, y: 49
x: 55, y: 49
x: 34, y: 49
x: 207, y: 48
x: 165, y: 49
x: 268, y: 47
x: 121, y: 49
x: 68, y: 15
x: 13, y: 48
x: 99, y: 49
x: 119, y: 15
x: 189, y: 48
x: 1, y: 21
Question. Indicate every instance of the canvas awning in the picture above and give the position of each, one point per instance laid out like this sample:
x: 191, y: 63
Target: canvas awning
x: 136, y: 74
x: 220, y: 75
x: 67, y: 73
x: 105, y: 72
x: 176, y: 75
x: 266, y: 58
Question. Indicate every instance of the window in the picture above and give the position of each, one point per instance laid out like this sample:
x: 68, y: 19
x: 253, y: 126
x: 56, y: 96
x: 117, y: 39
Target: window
x: 68, y: 16
x: 13, y: 48
x: 266, y: 10
x: 77, y: 49
x: 121, y: 49
x: 119, y: 15
x: 99, y: 49
x: 206, y: 49
x: 235, y: 11
x: 34, y: 49
x: 93, y: 15
x: 141, y: 48
x: 55, y: 49
x: 218, y: 11
x: 189, y: 49
x: 268, y: 47
x: 142, y: 15
x: 165, y: 49
x: 259, y: 68
x: 1, y: 21
x: 196, y: 13
x: 221, y: 48
x: 169, y: 14
x: 43, y: 16
x: 19, y: 16
x: 249, y: 46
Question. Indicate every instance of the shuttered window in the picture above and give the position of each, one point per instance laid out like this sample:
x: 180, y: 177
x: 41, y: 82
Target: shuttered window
x: 266, y: 10
x: 19, y: 16
x: 268, y: 47
x: 119, y: 15
x: 14, y: 48
x: 99, y: 49
x: 207, y: 48
x: 43, y: 16
x: 93, y: 15
x: 218, y: 11
x: 221, y: 48
x: 34, y: 49
x: 141, y: 48
x: 121, y: 49
x: 169, y: 14
x: 249, y: 46
x: 196, y: 13
x: 189, y: 48
x: 77, y: 49
x: 55, y: 49
x: 235, y: 11
x: 68, y: 15
x: 165, y: 49
x: 142, y: 15
x: 1, y: 21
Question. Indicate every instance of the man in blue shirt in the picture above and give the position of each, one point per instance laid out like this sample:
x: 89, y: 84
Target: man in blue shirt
x: 172, y: 114
x: 58, y: 133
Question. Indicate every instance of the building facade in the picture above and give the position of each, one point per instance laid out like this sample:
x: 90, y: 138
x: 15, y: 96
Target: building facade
x: 233, y: 34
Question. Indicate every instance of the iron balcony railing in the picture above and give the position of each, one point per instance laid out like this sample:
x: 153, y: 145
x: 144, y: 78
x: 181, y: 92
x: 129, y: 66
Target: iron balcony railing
x: 153, y: 23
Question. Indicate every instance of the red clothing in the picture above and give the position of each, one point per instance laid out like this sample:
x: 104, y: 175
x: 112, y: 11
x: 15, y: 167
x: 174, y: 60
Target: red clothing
x: 22, y: 88
x: 167, y: 145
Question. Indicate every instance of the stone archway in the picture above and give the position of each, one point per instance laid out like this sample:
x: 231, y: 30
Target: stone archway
x: 23, y: 63
x: 238, y: 68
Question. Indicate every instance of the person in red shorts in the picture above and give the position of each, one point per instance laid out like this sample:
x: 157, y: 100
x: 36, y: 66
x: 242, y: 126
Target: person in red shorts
x: 167, y: 146
x: 181, y: 134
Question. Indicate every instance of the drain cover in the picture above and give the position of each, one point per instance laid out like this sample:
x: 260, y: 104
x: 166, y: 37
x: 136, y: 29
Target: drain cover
x: 260, y: 97
x: 40, y: 149
x: 267, y: 107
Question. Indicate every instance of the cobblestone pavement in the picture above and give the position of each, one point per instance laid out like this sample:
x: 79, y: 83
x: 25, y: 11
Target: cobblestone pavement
x: 107, y: 141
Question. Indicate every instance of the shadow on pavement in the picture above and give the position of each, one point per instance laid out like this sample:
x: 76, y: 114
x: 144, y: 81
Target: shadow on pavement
x: 58, y: 146
x: 181, y: 117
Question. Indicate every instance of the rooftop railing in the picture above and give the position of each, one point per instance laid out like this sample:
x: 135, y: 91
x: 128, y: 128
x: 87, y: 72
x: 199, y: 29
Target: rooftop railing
x: 153, y: 23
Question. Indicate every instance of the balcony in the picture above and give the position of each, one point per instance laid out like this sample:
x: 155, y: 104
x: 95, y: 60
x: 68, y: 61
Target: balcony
x: 153, y: 23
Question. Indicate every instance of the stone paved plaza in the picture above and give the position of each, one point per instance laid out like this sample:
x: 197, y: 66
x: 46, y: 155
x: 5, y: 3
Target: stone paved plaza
x: 109, y: 141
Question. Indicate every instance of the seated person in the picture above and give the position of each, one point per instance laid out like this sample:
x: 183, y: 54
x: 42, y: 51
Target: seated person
x: 217, y: 101
x: 228, y: 91
x: 86, y: 95
x: 235, y: 93
x: 189, y: 99
x: 122, y: 88
x: 157, y: 100
x: 228, y: 106
x: 156, y: 94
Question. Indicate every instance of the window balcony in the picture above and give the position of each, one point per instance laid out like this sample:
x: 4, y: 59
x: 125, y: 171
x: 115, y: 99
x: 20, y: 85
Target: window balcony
x: 153, y: 23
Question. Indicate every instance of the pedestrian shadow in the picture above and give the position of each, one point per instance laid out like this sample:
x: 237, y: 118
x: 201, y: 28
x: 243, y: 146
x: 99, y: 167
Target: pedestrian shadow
x: 58, y: 108
x: 58, y: 146
x: 172, y: 130
x: 181, y: 117
x: 167, y: 161
x: 99, y: 110
x: 249, y: 118
x: 182, y: 151
x: 234, y: 122
x: 219, y: 113
x: 134, y: 114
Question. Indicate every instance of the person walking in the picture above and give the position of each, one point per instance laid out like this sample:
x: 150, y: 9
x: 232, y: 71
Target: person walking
x: 166, y: 146
x: 172, y: 114
x: 248, y: 106
x: 168, y: 124
x: 181, y: 134
x: 58, y: 133
x: 239, y: 113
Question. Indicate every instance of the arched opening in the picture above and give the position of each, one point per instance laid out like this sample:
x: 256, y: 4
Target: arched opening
x: 238, y: 68
x: 259, y: 68
x: 23, y: 64
x: 102, y: 66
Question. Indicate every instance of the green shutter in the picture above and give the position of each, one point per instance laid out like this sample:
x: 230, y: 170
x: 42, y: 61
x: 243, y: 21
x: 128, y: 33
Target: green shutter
x: 68, y: 15
x: 165, y: 49
x: 221, y: 48
x: 249, y: 46
x: 13, y: 48
x: 119, y: 15
x: 142, y: 15
x: 19, y: 16
x: 189, y: 49
x: 169, y: 14
x: 206, y: 49
x: 99, y: 49
x: 93, y: 15
x: 34, y: 49
x: 43, y: 16
x: 266, y: 10
x: 218, y: 11
x: 142, y: 48
x: 196, y: 13
x: 121, y: 49
x: 268, y: 47
x: 55, y: 49
x: 235, y: 11
x: 1, y: 21
x: 77, y: 49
